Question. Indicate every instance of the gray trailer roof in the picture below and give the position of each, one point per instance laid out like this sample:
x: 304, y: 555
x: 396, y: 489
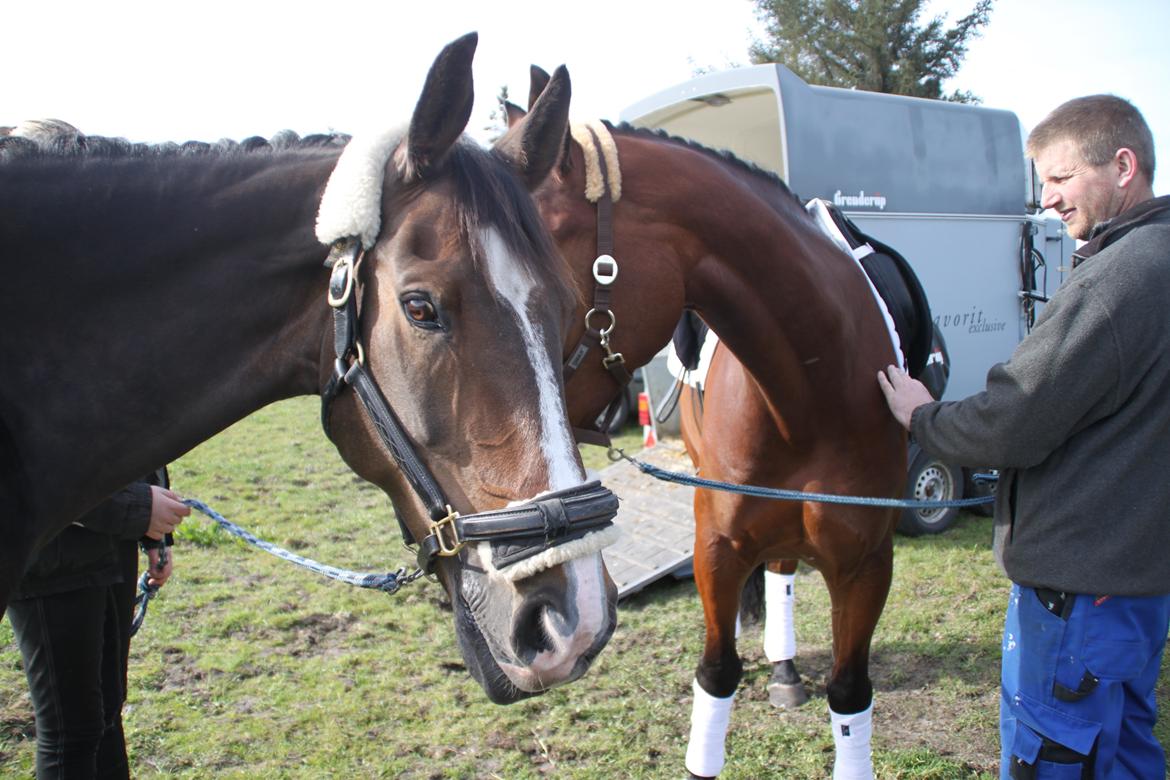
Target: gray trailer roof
x: 863, y: 150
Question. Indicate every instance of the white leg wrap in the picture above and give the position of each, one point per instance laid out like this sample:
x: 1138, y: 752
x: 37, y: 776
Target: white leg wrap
x: 710, y: 717
x: 779, y: 633
x: 851, y: 734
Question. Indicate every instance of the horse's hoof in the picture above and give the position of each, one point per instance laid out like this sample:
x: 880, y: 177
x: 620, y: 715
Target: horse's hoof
x: 693, y: 776
x: 786, y: 696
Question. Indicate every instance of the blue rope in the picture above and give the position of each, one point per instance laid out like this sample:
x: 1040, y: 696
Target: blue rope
x: 799, y: 495
x: 146, y: 592
x: 389, y: 582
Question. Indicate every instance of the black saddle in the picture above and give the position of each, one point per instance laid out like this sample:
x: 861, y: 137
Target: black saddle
x: 899, y: 287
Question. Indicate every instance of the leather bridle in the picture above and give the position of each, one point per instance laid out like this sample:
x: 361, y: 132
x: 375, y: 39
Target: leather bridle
x: 516, y: 532
x: 605, y: 272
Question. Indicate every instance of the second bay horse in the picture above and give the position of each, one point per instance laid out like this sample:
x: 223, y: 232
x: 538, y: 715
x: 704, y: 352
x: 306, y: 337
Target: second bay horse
x: 791, y: 401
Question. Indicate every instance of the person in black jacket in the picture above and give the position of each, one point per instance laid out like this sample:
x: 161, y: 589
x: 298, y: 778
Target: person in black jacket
x: 1078, y: 420
x: 71, y: 616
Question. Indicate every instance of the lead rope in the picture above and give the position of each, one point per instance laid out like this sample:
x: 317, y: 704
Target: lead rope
x: 781, y: 494
x: 388, y: 582
x: 146, y: 591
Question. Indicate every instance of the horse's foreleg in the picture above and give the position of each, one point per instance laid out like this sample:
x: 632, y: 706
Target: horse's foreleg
x: 785, y: 689
x: 858, y: 598
x: 719, y: 577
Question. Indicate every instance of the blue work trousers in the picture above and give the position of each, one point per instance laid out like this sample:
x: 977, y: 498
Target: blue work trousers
x: 1078, y: 678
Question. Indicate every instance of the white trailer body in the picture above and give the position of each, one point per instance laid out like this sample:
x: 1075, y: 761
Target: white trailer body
x: 945, y: 184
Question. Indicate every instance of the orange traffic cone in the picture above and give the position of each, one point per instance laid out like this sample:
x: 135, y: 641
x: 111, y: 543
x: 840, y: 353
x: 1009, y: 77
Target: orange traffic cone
x: 648, y: 437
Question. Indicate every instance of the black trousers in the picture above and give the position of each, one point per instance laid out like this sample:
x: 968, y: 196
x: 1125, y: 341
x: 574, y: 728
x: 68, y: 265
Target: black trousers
x: 76, y: 647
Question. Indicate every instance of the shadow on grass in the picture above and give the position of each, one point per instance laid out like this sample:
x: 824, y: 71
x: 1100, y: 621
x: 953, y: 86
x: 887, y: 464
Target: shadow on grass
x: 899, y: 666
x: 667, y: 590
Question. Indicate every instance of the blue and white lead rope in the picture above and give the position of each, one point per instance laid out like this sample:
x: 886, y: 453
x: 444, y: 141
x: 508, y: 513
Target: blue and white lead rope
x: 782, y: 494
x: 389, y: 582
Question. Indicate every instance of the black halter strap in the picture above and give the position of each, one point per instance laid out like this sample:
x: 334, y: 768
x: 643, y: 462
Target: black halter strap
x: 519, y: 532
x: 605, y: 271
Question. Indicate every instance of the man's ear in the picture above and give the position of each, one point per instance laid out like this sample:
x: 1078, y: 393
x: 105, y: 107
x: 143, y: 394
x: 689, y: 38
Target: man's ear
x: 1125, y: 164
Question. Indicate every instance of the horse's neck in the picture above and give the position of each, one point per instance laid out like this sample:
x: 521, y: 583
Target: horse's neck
x: 157, y: 311
x: 759, y: 271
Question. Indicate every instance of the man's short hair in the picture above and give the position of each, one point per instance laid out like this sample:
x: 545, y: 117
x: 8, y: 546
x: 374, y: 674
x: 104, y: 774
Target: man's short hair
x: 1099, y: 125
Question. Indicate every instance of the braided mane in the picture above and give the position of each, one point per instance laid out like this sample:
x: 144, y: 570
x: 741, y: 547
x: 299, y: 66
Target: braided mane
x: 723, y: 155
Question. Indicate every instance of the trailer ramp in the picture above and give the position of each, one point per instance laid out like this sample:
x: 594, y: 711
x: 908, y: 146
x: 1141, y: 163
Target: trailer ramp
x: 656, y: 518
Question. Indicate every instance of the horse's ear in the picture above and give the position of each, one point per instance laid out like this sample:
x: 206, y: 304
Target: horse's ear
x: 537, y: 81
x: 513, y: 113
x: 444, y: 107
x: 534, y: 144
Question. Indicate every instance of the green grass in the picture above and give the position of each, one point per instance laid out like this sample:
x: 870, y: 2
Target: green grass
x: 250, y: 667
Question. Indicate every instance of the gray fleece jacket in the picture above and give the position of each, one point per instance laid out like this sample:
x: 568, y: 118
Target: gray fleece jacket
x: 1078, y: 421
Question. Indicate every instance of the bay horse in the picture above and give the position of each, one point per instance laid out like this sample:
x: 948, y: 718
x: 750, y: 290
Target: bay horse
x: 791, y: 400
x: 153, y: 295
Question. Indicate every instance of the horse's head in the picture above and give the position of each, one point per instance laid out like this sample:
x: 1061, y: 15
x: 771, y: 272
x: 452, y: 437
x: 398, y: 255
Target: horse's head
x: 463, y: 301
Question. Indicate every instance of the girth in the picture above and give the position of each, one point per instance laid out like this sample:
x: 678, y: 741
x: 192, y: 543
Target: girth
x: 517, y: 532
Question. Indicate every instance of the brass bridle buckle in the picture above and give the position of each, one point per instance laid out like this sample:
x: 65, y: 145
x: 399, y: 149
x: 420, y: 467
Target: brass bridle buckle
x: 447, y: 534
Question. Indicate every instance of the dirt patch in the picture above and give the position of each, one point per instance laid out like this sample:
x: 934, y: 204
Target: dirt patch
x: 180, y: 672
x: 321, y: 634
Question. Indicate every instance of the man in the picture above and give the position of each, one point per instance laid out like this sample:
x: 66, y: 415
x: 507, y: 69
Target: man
x: 1078, y: 421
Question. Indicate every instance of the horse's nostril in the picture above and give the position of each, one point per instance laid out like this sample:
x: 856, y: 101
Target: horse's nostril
x: 531, y: 635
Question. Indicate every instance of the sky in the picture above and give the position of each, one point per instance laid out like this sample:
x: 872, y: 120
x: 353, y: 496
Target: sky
x: 166, y: 71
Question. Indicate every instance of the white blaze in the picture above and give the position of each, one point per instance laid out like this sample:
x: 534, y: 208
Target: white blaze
x: 515, y: 286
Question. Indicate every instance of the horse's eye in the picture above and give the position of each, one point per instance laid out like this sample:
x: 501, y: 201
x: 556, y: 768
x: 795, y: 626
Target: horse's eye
x: 421, y: 312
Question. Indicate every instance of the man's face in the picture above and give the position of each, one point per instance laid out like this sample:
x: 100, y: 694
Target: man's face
x: 1084, y: 194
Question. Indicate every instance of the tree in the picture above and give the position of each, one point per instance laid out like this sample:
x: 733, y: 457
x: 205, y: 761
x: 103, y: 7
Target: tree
x: 876, y: 45
x: 498, y: 119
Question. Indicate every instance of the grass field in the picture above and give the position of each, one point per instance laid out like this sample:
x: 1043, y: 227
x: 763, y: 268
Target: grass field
x: 249, y: 667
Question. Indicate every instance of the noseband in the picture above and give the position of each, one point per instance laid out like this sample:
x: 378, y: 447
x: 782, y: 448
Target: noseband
x: 516, y: 533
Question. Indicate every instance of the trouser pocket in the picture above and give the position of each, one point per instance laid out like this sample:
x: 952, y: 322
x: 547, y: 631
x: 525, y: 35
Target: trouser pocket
x: 1034, y: 757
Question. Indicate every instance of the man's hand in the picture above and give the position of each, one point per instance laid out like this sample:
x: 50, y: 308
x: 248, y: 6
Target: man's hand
x: 902, y: 393
x: 159, y: 570
x: 167, y: 510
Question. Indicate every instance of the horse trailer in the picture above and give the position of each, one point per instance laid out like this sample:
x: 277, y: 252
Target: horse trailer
x: 946, y: 184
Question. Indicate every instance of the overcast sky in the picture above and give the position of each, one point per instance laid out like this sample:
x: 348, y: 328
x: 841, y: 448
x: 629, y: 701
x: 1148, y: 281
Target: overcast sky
x: 158, y: 70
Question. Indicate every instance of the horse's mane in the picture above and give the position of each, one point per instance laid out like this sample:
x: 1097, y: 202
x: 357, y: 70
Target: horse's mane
x: 724, y: 155
x: 45, y: 138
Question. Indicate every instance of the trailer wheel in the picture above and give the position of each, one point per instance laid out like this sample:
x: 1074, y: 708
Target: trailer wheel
x: 930, y: 479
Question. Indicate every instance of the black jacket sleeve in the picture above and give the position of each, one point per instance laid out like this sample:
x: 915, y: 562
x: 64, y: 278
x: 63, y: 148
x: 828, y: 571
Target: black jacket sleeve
x: 125, y: 515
